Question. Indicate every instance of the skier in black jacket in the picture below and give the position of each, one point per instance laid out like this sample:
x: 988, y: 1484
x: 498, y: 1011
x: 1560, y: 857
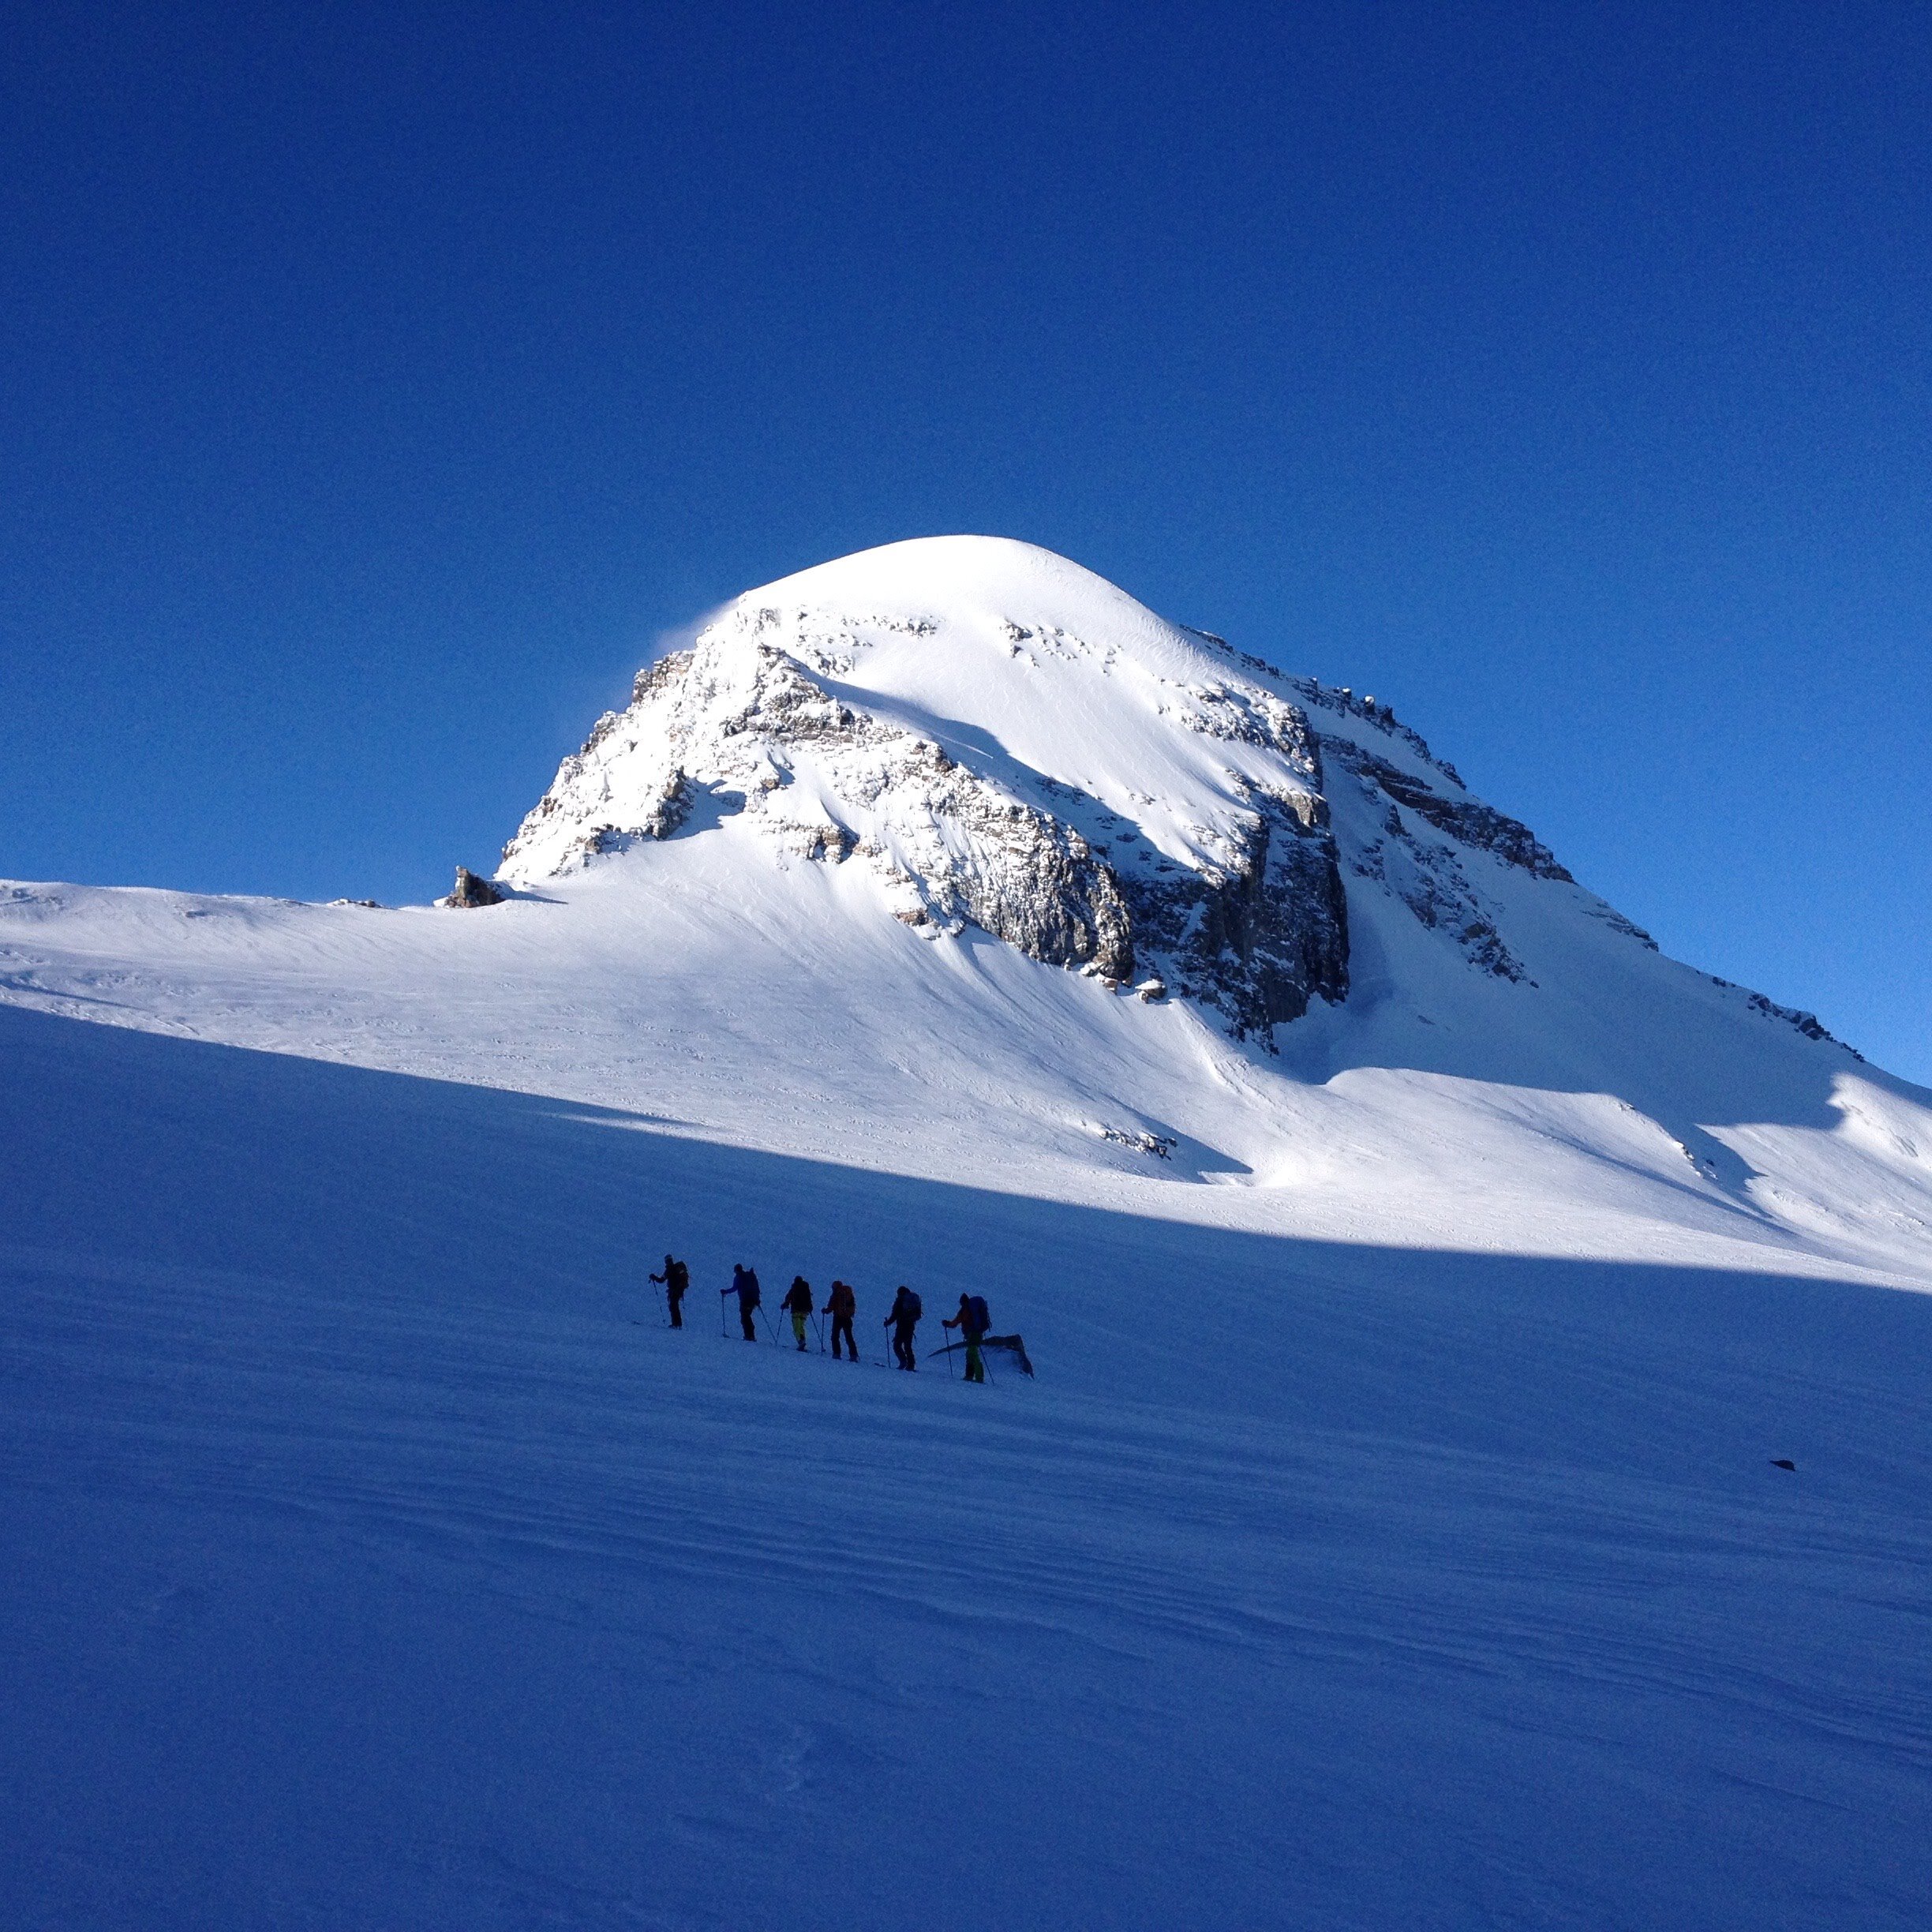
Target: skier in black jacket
x: 745, y: 1286
x: 676, y: 1278
x: 798, y: 1305
x: 903, y: 1318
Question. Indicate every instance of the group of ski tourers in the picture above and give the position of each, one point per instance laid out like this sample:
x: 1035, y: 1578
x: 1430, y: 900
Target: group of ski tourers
x: 972, y: 1320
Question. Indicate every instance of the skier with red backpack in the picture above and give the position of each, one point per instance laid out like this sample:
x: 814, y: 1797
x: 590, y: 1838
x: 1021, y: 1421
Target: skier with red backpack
x: 841, y: 1305
x: 972, y: 1321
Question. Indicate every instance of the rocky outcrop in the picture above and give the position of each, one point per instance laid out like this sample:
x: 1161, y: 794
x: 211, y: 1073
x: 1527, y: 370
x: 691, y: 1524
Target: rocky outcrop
x: 1427, y: 876
x: 1311, y: 695
x: 1465, y: 819
x: 1032, y: 880
x: 469, y: 891
x: 1807, y: 1024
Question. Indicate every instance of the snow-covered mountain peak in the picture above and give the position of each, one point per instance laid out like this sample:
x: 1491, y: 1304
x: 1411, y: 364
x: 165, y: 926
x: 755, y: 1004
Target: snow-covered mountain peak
x: 971, y: 579
x: 1005, y: 739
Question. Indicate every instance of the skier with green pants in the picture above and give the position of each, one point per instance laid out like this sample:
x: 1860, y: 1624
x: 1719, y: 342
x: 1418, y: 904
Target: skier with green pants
x: 971, y: 1321
x: 798, y: 1305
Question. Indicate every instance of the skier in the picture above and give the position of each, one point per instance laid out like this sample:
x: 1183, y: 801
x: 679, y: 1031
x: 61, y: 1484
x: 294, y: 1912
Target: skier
x: 906, y: 1310
x: 841, y: 1305
x: 676, y: 1278
x: 972, y: 1322
x: 798, y: 1304
x: 744, y: 1285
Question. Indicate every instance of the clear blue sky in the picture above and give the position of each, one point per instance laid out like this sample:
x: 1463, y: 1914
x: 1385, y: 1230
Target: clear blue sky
x: 380, y: 383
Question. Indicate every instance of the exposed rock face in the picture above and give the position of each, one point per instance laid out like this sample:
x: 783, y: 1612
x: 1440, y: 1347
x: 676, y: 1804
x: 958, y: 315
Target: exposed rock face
x: 1428, y: 879
x: 1807, y: 1024
x: 469, y: 891
x: 1259, y: 928
x: 1467, y: 819
x: 1428, y: 875
x: 738, y: 716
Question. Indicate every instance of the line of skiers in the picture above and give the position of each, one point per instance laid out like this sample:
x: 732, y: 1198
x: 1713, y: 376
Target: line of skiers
x: 972, y: 1320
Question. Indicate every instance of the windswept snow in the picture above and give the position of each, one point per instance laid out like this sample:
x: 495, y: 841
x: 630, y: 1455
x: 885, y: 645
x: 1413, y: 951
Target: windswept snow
x: 1392, y: 1535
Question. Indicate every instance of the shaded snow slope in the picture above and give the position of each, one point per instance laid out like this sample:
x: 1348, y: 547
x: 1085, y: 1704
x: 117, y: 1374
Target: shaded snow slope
x: 366, y: 1565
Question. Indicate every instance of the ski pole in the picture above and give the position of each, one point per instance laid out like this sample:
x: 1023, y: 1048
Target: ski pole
x: 722, y: 1335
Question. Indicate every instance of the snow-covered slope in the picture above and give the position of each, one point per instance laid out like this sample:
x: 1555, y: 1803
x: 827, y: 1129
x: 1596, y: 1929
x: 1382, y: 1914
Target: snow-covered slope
x: 872, y: 871
x: 1423, y: 1274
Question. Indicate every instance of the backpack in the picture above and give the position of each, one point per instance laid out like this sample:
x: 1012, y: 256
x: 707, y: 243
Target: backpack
x: 977, y: 1307
x: 911, y: 1306
x: 680, y: 1277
